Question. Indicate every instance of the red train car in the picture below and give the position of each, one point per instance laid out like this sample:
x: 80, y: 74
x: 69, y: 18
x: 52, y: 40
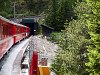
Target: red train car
x: 10, y: 33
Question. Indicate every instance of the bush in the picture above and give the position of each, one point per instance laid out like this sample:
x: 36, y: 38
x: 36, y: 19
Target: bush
x: 56, y: 36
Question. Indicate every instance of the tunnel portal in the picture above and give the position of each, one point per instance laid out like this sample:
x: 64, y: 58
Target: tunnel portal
x: 31, y: 24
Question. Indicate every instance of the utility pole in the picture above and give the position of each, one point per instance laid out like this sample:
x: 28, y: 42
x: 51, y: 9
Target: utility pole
x: 14, y: 10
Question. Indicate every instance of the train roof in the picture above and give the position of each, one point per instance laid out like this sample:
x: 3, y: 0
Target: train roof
x: 12, y: 22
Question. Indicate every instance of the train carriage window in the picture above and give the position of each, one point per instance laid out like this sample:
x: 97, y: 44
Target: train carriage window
x: 5, y: 33
x: 8, y: 31
x: 18, y: 29
x: 11, y: 30
x: 1, y: 31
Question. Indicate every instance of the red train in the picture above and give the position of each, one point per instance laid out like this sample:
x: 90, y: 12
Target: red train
x: 10, y: 33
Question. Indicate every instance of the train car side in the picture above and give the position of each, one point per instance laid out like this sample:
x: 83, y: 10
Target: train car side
x: 10, y: 33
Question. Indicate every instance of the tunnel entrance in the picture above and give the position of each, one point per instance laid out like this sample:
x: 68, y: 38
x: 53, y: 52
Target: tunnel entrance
x: 31, y: 24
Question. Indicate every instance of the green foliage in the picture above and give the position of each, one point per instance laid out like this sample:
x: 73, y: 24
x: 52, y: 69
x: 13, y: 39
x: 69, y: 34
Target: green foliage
x: 26, y: 7
x: 51, y: 14
x: 4, y: 14
x: 56, y: 36
x: 5, y: 8
x: 82, y: 10
x: 94, y: 30
x: 71, y: 56
x: 59, y: 11
x: 41, y: 21
x: 36, y: 6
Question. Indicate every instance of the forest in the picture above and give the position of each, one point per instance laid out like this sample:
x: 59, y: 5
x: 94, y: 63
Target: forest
x: 77, y: 31
x: 23, y: 7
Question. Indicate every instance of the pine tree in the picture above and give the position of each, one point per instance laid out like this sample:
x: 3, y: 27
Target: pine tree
x: 59, y: 11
